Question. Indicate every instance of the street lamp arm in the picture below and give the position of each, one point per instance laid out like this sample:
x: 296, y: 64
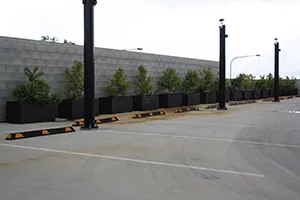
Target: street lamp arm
x: 257, y: 55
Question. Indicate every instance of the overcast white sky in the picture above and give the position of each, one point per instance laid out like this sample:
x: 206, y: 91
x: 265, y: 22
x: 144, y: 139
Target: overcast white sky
x: 186, y: 28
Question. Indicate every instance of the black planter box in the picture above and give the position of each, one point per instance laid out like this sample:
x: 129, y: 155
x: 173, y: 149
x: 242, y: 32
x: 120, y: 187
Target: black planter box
x: 264, y: 94
x: 227, y: 96
x: 141, y: 103
x: 294, y: 91
x: 113, y: 105
x: 236, y: 95
x: 286, y: 92
x: 247, y: 95
x: 208, y: 97
x: 21, y: 113
x: 281, y: 92
x: 191, y: 99
x: 256, y: 94
x: 271, y: 93
x: 170, y: 100
x: 74, y: 109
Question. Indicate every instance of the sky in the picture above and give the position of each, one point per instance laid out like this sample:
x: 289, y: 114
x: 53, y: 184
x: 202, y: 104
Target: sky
x: 185, y: 28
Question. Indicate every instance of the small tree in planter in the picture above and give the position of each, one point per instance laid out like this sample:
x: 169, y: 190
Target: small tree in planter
x: 249, y: 91
x: 270, y: 84
x: 236, y: 93
x: 217, y: 88
x: 169, y: 85
x: 190, y: 85
x: 207, y: 86
x: 35, y: 103
x: 72, y: 107
x: 145, y: 100
x: 261, y: 85
x: 118, y: 100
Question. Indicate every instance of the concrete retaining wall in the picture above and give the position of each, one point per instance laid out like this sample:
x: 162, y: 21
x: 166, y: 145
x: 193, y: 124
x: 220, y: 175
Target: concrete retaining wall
x: 54, y: 58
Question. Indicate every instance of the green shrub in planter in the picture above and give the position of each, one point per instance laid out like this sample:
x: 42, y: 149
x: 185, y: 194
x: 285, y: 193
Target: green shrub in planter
x: 145, y: 100
x: 169, y: 85
x: 117, y: 100
x: 207, y: 86
x: 261, y: 85
x: 190, y: 85
x: 35, y: 103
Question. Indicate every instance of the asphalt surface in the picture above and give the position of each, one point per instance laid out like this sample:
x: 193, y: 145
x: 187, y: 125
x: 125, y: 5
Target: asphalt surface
x: 251, y: 152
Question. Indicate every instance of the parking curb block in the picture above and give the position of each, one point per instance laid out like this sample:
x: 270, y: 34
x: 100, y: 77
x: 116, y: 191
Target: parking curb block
x: 186, y: 109
x: 242, y: 102
x: 149, y: 114
x: 212, y: 106
x: 38, y: 133
x: 97, y: 121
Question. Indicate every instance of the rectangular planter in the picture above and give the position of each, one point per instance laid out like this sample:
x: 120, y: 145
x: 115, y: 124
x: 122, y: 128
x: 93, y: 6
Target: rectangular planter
x: 271, y: 93
x: 264, y: 94
x: 247, y: 95
x: 74, y: 109
x: 256, y: 94
x: 22, y: 113
x: 141, y: 103
x: 170, y: 100
x: 295, y: 91
x: 236, y: 95
x: 191, y: 99
x: 281, y: 92
x: 113, y: 105
x: 227, y: 96
x: 208, y: 97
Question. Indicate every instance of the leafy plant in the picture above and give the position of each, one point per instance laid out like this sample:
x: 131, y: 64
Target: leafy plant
x: 75, y: 81
x: 207, y: 80
x: 143, y: 82
x: 68, y: 42
x: 191, y: 81
x: 119, y: 85
x: 37, y: 91
x: 270, y: 81
x: 47, y: 38
x: 287, y: 83
x: 169, y: 81
x: 261, y: 84
x: 243, y: 82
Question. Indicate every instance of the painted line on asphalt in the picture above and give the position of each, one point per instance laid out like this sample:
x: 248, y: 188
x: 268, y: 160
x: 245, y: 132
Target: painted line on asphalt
x: 206, y: 138
x: 202, y: 123
x: 134, y: 160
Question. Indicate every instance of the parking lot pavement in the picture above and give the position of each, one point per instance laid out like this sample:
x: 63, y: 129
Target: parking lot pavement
x: 249, y: 152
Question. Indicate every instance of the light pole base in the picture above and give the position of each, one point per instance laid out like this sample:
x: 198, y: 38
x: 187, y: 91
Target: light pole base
x: 89, y: 128
x: 275, y: 101
x: 222, y: 109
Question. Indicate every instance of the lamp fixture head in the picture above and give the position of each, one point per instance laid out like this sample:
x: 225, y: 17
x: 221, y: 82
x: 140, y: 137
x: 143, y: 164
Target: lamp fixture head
x: 221, y: 21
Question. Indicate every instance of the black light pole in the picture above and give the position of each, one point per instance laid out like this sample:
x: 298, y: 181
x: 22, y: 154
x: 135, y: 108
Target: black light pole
x: 222, y: 66
x: 89, y: 67
x: 276, y: 72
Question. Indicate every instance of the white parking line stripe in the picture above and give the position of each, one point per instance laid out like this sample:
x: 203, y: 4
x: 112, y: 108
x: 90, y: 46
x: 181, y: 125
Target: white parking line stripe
x: 134, y: 160
x: 206, y: 138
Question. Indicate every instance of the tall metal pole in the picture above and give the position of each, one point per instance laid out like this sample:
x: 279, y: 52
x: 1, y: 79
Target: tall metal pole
x: 276, y: 72
x: 89, y: 67
x: 222, y: 66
